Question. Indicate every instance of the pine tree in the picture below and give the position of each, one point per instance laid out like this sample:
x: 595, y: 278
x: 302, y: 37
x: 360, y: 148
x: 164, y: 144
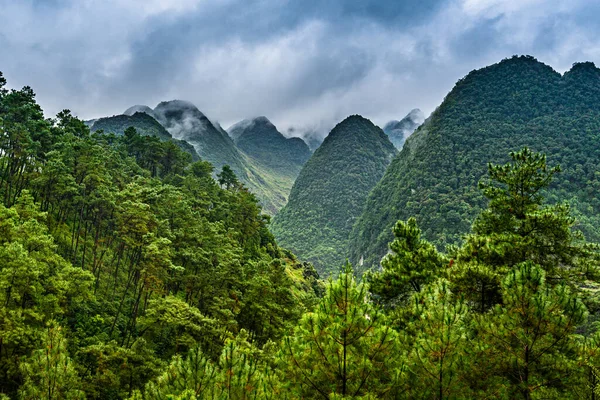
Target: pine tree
x: 517, y: 227
x: 411, y: 265
x: 49, y: 373
x: 343, y: 348
x: 528, y: 344
x: 438, y: 361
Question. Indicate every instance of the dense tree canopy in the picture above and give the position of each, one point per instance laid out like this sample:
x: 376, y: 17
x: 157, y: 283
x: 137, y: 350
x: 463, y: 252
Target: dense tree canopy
x: 330, y: 191
x: 128, y: 272
x: 489, y: 113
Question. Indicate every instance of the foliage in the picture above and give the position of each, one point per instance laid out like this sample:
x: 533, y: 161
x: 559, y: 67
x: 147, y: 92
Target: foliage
x: 49, y: 372
x: 344, y: 348
x: 145, y: 125
x: 492, y: 111
x: 135, y: 251
x: 330, y: 191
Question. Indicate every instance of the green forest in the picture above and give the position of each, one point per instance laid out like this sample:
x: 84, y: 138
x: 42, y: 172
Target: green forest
x: 492, y: 111
x: 128, y: 272
x: 329, y: 193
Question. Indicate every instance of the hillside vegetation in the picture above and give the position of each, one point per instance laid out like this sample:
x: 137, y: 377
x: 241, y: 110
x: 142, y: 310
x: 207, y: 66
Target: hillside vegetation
x: 144, y: 125
x: 492, y: 111
x: 330, y: 192
x: 128, y: 272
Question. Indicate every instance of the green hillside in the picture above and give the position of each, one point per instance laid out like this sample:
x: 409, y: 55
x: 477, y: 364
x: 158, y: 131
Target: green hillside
x: 185, y: 122
x: 268, y: 169
x: 272, y: 161
x: 330, y: 191
x: 117, y: 253
x: 261, y: 140
x: 492, y: 111
x: 145, y: 125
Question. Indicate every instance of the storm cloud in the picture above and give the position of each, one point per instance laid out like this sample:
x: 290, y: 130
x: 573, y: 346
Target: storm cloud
x: 305, y: 64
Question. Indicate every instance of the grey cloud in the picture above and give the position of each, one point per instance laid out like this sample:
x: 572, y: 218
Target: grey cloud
x: 305, y: 64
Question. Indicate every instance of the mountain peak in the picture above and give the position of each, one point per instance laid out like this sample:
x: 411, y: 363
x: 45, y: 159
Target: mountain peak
x: 248, y: 126
x: 262, y: 120
x: 586, y: 68
x: 260, y: 139
x: 399, y: 131
x: 139, y: 108
x: 177, y: 110
x: 330, y: 191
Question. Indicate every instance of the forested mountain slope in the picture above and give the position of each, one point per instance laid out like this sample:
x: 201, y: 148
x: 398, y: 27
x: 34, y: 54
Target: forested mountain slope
x: 261, y: 140
x: 268, y: 168
x: 144, y: 125
x: 128, y: 273
x: 492, y: 111
x: 273, y: 161
x: 185, y: 122
x: 125, y: 249
x: 330, y: 191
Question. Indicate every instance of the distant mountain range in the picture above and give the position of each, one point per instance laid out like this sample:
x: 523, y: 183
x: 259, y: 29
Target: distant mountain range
x: 144, y: 124
x: 263, y: 159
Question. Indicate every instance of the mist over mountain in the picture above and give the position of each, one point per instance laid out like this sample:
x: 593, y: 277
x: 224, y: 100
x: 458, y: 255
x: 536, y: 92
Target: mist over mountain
x: 144, y: 125
x: 260, y: 139
x: 267, y: 220
x: 142, y: 109
x: 184, y: 121
x: 312, y: 137
x: 399, y: 131
x: 263, y: 159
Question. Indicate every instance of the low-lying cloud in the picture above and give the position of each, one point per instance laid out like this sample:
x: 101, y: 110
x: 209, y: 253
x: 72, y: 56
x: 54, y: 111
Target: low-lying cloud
x: 306, y: 64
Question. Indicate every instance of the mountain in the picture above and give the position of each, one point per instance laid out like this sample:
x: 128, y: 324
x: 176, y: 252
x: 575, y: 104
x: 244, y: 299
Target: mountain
x: 266, y: 162
x: 273, y: 162
x: 141, y: 109
x: 260, y: 139
x: 185, y: 122
x: 330, y: 191
x: 311, y: 137
x: 399, y: 131
x: 144, y: 124
x: 489, y: 113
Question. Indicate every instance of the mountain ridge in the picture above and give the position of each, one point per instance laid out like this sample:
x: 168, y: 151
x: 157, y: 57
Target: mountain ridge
x: 490, y: 112
x: 330, y: 190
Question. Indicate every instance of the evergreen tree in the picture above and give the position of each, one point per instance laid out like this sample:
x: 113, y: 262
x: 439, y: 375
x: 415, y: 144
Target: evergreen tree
x: 227, y: 178
x: 528, y: 344
x: 438, y: 362
x: 518, y: 227
x: 343, y: 348
x: 408, y: 268
x: 49, y: 373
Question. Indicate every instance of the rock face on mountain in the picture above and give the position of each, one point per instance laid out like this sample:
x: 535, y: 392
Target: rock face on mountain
x: 489, y: 113
x: 144, y: 124
x: 330, y: 192
x: 399, y: 131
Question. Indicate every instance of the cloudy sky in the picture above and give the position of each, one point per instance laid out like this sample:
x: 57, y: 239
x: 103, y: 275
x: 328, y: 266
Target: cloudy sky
x: 304, y: 63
